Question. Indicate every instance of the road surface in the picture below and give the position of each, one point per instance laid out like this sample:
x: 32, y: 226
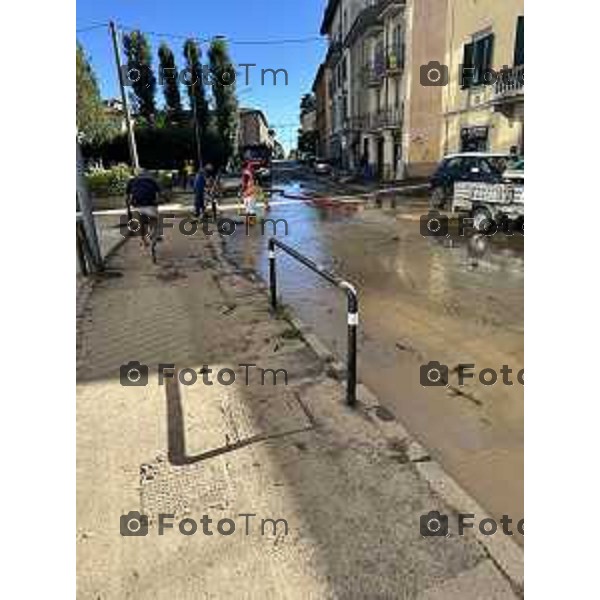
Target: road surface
x: 456, y: 300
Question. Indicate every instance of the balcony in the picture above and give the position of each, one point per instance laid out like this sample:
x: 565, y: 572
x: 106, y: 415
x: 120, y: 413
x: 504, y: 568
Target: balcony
x: 368, y: 22
x: 510, y: 84
x: 509, y: 90
x: 357, y: 123
x: 395, y: 61
x: 374, y: 71
x: 389, y: 118
x: 334, y: 53
x: 390, y: 8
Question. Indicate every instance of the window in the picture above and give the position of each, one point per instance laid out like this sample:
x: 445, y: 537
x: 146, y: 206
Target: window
x: 520, y: 43
x: 396, y: 54
x: 453, y: 166
x: 467, y: 68
x: 474, y: 139
x: 477, y: 61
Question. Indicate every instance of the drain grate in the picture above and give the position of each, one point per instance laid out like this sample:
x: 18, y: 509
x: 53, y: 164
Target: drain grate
x: 181, y: 490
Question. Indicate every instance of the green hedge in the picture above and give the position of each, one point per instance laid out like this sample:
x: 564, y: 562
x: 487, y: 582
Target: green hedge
x: 111, y: 182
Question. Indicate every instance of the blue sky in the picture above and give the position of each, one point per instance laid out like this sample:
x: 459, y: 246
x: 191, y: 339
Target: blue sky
x: 237, y: 20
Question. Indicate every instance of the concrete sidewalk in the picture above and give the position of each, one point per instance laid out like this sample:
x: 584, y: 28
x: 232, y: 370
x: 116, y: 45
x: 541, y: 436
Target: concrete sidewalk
x: 344, y: 481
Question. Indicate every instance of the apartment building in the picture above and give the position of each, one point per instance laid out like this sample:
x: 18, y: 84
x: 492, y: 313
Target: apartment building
x: 377, y: 49
x: 334, y: 26
x: 253, y: 128
x: 320, y: 89
x: 384, y: 123
x: 484, y: 99
x: 308, y: 121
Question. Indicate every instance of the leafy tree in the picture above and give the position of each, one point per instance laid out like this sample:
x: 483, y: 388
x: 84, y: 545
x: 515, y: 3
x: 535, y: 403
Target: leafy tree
x: 307, y: 141
x: 308, y: 103
x: 159, y: 148
x: 170, y: 83
x: 223, y: 88
x: 196, y: 91
x: 278, y: 151
x: 91, y: 117
x: 139, y: 56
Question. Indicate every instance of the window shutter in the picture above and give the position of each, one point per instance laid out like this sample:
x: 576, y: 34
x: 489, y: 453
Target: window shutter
x: 519, y: 58
x: 488, y: 55
x: 467, y: 78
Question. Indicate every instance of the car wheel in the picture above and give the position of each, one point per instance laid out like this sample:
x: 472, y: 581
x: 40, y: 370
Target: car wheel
x: 520, y: 224
x: 437, y: 199
x: 481, y: 219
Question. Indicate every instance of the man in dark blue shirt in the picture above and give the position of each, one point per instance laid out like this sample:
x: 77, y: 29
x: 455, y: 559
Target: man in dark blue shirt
x: 142, y: 193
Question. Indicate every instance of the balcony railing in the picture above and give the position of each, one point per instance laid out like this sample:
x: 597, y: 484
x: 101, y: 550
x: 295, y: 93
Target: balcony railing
x: 388, y: 118
x: 334, y: 52
x: 374, y: 71
x: 367, y: 21
x: 384, y: 119
x: 510, y: 83
x: 392, y: 7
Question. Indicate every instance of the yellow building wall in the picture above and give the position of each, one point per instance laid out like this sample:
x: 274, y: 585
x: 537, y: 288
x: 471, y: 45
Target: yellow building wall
x: 472, y: 107
x: 426, y: 34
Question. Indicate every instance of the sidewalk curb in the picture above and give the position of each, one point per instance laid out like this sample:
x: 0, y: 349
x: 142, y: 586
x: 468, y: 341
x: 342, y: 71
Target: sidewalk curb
x: 507, y: 556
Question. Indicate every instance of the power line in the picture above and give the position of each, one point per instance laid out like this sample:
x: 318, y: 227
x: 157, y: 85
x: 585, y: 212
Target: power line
x: 276, y: 41
x: 265, y: 42
x: 91, y: 27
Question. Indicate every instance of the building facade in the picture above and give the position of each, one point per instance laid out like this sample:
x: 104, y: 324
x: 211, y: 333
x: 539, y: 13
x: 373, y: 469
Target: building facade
x: 377, y: 43
x: 334, y: 26
x: 308, y: 121
x: 384, y: 123
x: 320, y: 88
x: 253, y: 129
x: 484, y: 99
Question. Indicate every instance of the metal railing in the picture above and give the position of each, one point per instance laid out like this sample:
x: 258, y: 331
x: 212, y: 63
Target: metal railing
x: 374, y: 71
x: 510, y: 82
x: 334, y: 280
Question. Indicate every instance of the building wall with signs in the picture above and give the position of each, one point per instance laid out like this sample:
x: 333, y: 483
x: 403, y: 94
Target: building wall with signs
x: 484, y: 98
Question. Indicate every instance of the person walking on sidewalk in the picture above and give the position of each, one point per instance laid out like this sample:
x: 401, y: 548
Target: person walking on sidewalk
x: 199, y: 188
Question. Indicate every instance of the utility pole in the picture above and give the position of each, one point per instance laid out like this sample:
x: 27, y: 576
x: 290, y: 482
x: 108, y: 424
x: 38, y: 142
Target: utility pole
x: 196, y: 128
x: 135, y: 164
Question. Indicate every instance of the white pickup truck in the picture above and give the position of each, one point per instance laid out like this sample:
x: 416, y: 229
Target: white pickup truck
x: 492, y: 201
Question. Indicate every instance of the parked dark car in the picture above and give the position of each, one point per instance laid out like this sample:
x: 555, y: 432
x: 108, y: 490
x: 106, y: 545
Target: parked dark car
x: 322, y: 166
x: 468, y: 166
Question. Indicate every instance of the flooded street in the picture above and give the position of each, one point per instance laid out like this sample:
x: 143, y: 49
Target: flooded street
x: 451, y: 300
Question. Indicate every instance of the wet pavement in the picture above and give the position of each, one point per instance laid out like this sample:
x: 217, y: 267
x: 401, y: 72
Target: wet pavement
x: 450, y: 299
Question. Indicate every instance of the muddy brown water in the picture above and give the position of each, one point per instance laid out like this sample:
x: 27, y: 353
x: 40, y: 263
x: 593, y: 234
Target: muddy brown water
x: 455, y: 300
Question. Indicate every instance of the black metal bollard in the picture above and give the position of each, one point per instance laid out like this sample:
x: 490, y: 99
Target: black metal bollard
x: 351, y: 350
x: 272, y: 274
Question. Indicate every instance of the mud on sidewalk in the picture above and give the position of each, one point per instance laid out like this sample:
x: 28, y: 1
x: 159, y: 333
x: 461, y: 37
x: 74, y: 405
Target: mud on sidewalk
x: 246, y: 455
